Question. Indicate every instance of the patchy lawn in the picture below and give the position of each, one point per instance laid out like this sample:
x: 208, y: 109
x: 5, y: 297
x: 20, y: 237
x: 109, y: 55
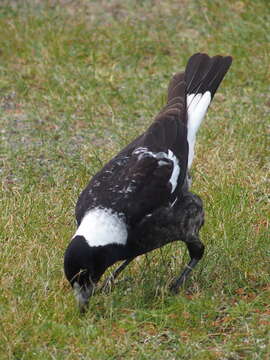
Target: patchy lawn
x: 80, y: 79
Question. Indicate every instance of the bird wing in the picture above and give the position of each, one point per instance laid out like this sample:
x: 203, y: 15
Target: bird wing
x: 145, y: 177
x: 149, y: 172
x: 146, y: 183
x: 133, y: 186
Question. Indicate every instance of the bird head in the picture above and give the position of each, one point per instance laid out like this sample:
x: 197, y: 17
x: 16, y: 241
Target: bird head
x: 83, y: 266
x: 99, y: 242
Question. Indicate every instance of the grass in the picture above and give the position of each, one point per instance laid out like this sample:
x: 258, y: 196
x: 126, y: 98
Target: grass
x: 78, y: 80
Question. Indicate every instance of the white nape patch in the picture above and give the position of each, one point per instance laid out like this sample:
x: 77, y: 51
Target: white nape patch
x: 197, y: 106
x: 102, y: 227
x: 141, y: 152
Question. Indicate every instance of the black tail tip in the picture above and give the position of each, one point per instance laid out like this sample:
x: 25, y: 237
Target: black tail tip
x: 205, y: 73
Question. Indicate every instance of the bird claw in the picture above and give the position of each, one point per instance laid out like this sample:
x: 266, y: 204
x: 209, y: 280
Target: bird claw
x: 181, y: 280
x: 108, y: 285
x: 176, y: 284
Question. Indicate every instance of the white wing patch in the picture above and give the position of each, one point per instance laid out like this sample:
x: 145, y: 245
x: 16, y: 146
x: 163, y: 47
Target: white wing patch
x: 176, y: 170
x: 142, y: 151
x: 102, y: 227
x: 197, y: 106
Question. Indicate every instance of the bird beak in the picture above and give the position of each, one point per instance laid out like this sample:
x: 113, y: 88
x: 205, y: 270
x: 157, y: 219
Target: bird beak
x: 82, y: 295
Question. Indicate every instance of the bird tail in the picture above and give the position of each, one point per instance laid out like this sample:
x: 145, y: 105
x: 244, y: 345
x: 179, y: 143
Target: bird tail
x: 203, y: 75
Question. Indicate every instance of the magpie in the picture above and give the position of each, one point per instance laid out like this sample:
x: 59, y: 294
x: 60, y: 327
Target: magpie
x: 140, y: 200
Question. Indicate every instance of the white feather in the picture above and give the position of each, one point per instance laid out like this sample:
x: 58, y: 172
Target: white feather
x: 101, y: 227
x: 197, y: 106
x: 176, y: 170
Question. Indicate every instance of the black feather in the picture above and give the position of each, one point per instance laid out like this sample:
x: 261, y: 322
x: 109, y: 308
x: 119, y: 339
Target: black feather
x: 204, y: 73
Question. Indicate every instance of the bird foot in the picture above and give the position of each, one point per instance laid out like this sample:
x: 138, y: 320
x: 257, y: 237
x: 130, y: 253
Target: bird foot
x: 176, y: 284
x: 108, y: 284
x: 181, y: 280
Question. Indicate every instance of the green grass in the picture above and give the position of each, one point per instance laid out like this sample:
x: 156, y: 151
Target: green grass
x: 78, y: 80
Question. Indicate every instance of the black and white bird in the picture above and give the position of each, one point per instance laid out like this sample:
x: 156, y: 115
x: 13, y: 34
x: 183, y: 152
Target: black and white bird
x: 140, y: 200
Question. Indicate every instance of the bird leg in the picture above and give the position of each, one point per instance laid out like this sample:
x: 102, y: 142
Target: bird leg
x: 108, y: 283
x: 196, y: 250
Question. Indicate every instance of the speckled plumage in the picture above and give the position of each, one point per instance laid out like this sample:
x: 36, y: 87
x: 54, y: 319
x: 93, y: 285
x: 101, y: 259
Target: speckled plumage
x: 142, y: 195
